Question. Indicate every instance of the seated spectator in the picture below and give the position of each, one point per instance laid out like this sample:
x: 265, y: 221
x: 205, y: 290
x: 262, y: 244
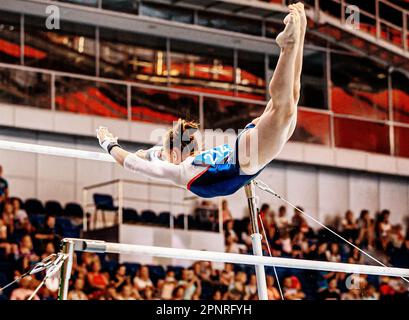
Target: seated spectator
x: 285, y: 243
x: 349, y: 226
x: 397, y: 236
x: 178, y: 293
x: 371, y: 293
x: 292, y: 289
x: 20, y: 215
x: 4, y: 189
x: 264, y: 213
x: 333, y: 253
x: 351, y: 294
x: 297, y: 219
x: 217, y: 295
x: 246, y: 235
x: 191, y: 283
x: 226, y: 213
x: 142, y: 280
x: 355, y: 257
x: 272, y: 291
x: 331, y: 292
x: 120, y: 277
x: 26, y: 252
x: 251, y: 287
x: 239, y: 283
x: 400, y: 257
x: 232, y: 246
x: 126, y: 293
x: 282, y: 220
x: 97, y: 280
x: 168, y: 285
x: 366, y: 235
x: 386, y: 291
x: 77, y: 293
x: 233, y: 294
x: 227, y: 275
x: 229, y: 231
x: 49, y: 250
x: 25, y: 289
x: 8, y: 215
x: 48, y: 232
x: 383, y: 227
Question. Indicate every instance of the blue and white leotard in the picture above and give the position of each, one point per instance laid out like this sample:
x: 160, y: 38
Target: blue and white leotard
x: 212, y: 173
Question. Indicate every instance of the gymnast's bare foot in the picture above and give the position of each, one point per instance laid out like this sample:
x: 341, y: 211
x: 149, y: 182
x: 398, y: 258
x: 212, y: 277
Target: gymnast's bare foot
x: 290, y: 37
x: 299, y: 6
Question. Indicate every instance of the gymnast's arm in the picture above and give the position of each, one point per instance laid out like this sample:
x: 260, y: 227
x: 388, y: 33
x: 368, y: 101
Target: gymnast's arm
x: 152, y: 169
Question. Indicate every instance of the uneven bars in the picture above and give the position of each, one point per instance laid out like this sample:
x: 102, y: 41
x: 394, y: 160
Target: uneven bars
x: 188, y: 254
x: 55, y: 151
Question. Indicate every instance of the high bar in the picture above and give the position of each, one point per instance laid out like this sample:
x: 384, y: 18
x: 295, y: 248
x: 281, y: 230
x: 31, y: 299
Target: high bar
x: 188, y: 254
x: 55, y: 151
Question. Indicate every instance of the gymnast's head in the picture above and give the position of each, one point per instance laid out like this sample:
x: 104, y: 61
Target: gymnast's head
x: 180, y: 141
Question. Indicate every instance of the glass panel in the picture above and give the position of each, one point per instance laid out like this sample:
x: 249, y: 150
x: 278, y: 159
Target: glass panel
x: 226, y: 114
x: 88, y: 3
x: 25, y: 88
x: 392, y: 35
x: 402, y: 142
x: 236, y: 24
x: 197, y: 66
x: 132, y: 56
x: 150, y: 105
x: 250, y: 75
x: 312, y: 127
x: 400, y: 96
x: 10, y: 38
x: 313, y: 81
x: 70, y: 49
x: 167, y: 13
x: 90, y: 97
x: 127, y: 6
x: 361, y: 135
x: 359, y: 87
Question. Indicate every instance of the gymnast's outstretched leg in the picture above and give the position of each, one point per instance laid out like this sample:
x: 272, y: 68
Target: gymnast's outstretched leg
x: 275, y: 125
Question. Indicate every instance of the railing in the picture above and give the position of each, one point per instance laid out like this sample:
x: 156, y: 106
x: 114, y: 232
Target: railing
x: 381, y: 28
x: 121, y: 194
x: 208, y: 117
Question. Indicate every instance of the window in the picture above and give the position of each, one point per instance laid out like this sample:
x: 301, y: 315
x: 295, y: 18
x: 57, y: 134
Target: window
x: 167, y: 13
x: 402, y: 141
x: 227, y: 114
x: 10, y: 38
x: 312, y: 127
x: 250, y: 75
x: 235, y: 24
x: 90, y: 97
x: 88, y: 3
x: 400, y: 97
x: 197, y: 66
x: 359, y: 87
x: 127, y: 6
x: 132, y: 56
x: 361, y: 135
x: 25, y: 88
x: 69, y: 49
x: 157, y: 106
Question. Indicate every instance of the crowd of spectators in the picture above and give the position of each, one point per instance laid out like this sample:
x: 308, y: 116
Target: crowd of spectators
x: 99, y: 277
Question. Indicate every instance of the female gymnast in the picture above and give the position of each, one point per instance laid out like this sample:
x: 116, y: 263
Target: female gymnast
x: 223, y: 170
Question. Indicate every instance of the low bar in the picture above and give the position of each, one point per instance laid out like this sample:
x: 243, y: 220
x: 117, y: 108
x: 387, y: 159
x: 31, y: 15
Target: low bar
x: 188, y: 254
